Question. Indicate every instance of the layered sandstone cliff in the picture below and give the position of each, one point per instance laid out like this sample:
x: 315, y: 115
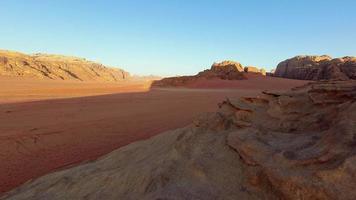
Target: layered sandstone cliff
x: 298, y: 144
x: 317, y: 68
x: 57, y: 67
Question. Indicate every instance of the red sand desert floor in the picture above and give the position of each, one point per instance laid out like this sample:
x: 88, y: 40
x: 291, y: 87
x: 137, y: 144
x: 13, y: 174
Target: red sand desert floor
x: 37, y: 137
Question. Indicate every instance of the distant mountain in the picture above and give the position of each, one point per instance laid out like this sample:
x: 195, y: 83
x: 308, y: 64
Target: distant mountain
x: 57, y: 67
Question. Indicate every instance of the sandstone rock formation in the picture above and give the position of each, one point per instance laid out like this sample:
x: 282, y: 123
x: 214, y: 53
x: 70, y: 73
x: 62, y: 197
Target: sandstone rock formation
x: 317, y: 68
x: 252, y: 69
x: 226, y: 70
x: 227, y: 66
x: 57, y: 68
x: 298, y: 144
x: 301, y: 142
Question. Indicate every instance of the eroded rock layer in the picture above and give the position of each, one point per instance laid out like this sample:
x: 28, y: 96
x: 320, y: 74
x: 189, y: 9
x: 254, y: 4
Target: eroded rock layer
x: 298, y: 144
x: 56, y: 67
x: 302, y: 142
x: 317, y: 68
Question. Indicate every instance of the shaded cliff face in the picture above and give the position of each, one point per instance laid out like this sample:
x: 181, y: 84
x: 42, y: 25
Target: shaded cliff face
x: 56, y: 67
x: 226, y: 70
x: 298, y: 144
x: 317, y: 68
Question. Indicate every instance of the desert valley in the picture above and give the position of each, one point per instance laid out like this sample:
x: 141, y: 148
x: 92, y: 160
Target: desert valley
x: 76, y: 129
x: 177, y: 100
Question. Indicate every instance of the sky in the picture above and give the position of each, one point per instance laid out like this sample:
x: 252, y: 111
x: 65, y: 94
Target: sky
x: 179, y: 37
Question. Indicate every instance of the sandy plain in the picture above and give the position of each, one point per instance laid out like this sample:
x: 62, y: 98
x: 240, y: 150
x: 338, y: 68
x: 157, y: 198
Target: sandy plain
x: 49, y: 125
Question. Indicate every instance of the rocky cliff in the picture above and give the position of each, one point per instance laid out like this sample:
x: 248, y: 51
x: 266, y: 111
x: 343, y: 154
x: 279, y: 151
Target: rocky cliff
x: 317, y: 68
x: 298, y: 144
x: 57, y: 67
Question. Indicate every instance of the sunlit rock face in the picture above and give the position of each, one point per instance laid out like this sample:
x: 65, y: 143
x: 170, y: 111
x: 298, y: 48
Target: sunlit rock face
x: 225, y: 70
x: 317, y: 68
x: 256, y: 70
x: 56, y: 67
x: 298, y: 144
x: 227, y: 66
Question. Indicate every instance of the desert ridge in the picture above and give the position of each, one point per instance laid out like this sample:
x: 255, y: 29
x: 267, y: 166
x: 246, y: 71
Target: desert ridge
x: 225, y: 70
x: 57, y: 67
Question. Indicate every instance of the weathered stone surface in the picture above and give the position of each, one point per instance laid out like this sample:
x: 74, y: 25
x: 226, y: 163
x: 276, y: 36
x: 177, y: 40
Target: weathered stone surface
x: 56, y: 67
x: 302, y: 141
x: 189, y: 163
x: 298, y: 144
x: 317, y: 68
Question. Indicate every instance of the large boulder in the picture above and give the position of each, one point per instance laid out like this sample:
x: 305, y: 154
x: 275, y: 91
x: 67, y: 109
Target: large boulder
x: 298, y: 144
x: 317, y: 68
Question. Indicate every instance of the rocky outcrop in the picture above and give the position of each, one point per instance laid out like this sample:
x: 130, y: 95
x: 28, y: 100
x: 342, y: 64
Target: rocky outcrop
x: 317, y: 68
x: 298, y: 144
x: 227, y: 66
x: 226, y: 70
x: 302, y: 142
x: 56, y: 67
x: 252, y: 69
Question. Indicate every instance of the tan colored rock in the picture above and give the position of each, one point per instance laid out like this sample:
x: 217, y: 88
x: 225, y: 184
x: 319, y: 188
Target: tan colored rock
x: 227, y: 66
x: 56, y: 67
x: 301, y: 140
x: 252, y: 69
x: 298, y: 144
x: 226, y: 70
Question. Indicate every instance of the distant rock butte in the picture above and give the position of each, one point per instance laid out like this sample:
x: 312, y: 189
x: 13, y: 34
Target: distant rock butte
x: 57, y: 67
x: 227, y: 66
x: 226, y: 70
x: 298, y: 144
x: 317, y: 68
x: 252, y: 69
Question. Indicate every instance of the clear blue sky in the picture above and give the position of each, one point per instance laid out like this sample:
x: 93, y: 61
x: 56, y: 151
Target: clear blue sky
x: 171, y: 37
